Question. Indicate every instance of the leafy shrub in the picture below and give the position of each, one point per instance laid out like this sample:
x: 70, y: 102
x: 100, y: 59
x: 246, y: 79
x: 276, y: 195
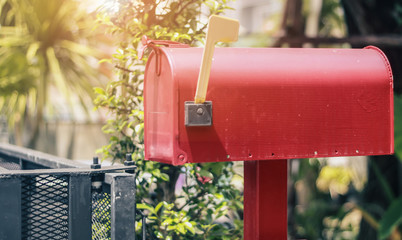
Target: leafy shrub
x: 196, y: 201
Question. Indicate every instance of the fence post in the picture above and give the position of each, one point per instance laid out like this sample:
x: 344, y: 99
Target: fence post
x: 80, y: 207
x: 122, y: 190
x: 10, y: 208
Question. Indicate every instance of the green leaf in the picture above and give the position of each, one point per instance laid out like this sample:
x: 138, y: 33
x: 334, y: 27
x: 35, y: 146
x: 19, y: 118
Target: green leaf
x: 391, y: 219
x: 219, y: 196
x: 159, y: 235
x: 145, y: 206
x: 158, y: 207
x: 139, y: 128
x: 99, y: 90
x: 152, y: 218
x: 181, y: 228
x: 196, y: 202
x: 165, y: 177
x: 205, y: 173
x: 156, y: 173
x: 106, y: 60
x: 167, y: 222
x: 171, y: 227
x: 138, y: 225
x: 189, y: 227
x: 216, y: 168
x: 32, y: 49
x: 398, y: 126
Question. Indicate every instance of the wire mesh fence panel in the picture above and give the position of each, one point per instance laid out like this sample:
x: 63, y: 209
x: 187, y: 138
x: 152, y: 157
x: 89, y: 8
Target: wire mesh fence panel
x: 42, y: 203
x: 101, y: 216
x: 10, y: 165
x: 44, y: 207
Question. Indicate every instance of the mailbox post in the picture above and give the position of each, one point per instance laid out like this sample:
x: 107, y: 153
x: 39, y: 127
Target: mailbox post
x: 263, y: 106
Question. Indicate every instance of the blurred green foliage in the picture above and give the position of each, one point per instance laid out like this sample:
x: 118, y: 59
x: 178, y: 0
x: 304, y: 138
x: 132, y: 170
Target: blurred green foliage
x: 398, y: 126
x: 320, y: 211
x: 332, y: 21
x: 44, y: 47
x: 194, y: 201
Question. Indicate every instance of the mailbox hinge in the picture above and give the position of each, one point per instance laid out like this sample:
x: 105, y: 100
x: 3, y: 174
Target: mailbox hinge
x: 154, y: 44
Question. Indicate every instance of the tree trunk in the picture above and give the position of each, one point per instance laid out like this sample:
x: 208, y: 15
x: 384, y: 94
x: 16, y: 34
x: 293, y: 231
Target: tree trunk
x: 293, y: 23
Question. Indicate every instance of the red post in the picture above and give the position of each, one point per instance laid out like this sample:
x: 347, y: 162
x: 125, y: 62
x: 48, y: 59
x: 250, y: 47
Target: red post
x: 265, y: 200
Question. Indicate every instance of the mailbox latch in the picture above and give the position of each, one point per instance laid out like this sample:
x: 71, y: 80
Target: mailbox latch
x: 198, y: 114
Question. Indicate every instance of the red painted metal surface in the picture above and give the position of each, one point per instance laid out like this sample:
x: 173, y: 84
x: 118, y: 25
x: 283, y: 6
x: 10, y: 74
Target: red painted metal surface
x: 265, y: 200
x: 270, y: 104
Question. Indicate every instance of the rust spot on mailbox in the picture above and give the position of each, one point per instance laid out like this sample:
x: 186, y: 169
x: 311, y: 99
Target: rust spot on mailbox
x: 273, y: 103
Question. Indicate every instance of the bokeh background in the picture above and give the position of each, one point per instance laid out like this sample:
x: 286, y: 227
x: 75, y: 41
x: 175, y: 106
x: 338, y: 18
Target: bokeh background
x: 70, y: 85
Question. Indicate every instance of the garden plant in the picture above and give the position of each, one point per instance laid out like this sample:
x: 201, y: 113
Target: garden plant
x: 193, y: 201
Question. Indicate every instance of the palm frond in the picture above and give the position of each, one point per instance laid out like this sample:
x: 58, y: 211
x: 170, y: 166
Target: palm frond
x: 46, y: 46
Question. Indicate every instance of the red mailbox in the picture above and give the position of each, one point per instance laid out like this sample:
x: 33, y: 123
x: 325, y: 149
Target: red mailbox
x: 268, y: 104
x: 264, y: 104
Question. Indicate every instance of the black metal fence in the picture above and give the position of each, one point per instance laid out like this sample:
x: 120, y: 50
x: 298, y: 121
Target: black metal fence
x: 46, y: 197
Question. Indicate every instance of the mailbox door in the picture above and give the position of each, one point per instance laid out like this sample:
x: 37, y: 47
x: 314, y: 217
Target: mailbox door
x: 270, y: 104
